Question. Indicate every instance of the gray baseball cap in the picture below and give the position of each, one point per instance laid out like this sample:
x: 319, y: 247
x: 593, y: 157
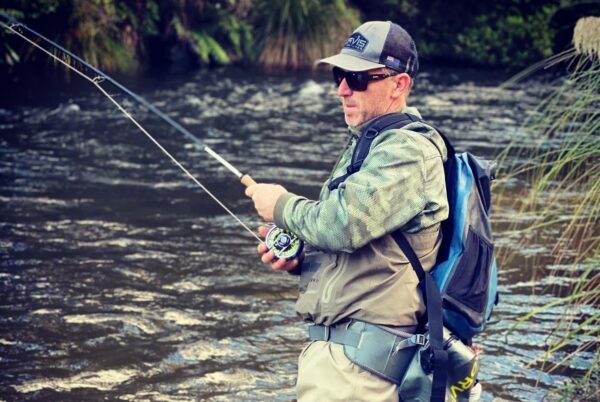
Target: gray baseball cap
x: 377, y: 44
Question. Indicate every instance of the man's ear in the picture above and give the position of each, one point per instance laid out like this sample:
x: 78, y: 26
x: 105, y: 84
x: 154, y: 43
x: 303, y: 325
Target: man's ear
x: 403, y: 84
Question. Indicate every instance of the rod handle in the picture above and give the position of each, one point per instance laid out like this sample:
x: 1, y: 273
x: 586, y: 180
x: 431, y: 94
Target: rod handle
x: 247, y: 180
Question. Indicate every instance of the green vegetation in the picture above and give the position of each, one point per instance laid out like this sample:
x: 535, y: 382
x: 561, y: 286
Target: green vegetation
x: 490, y: 39
x: 564, y: 196
x: 105, y: 33
x: 210, y: 32
x: 122, y: 35
x: 510, y: 34
x: 295, y: 33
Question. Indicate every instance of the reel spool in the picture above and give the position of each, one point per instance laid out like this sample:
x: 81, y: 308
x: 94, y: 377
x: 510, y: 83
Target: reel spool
x: 284, y: 244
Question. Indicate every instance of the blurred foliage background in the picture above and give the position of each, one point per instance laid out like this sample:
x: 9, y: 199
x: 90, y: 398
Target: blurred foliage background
x: 127, y: 35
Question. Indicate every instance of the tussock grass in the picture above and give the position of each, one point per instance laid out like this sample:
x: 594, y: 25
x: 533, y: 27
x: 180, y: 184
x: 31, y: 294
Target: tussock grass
x: 295, y: 33
x: 564, y: 177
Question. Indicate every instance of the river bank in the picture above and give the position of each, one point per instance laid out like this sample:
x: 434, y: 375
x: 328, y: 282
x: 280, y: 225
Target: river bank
x: 128, y: 36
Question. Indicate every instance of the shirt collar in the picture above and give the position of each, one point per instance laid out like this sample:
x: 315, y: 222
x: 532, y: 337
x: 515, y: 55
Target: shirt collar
x: 356, y: 131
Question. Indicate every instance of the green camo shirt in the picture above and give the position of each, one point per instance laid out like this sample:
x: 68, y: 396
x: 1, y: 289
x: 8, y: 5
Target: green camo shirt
x: 400, y: 185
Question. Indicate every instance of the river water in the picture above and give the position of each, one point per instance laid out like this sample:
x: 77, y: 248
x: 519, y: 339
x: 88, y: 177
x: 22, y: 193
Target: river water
x: 121, y: 280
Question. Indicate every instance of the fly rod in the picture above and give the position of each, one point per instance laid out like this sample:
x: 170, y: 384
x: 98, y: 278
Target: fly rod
x: 284, y: 244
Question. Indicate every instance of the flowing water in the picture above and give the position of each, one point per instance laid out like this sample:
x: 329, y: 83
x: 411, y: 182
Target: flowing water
x: 121, y: 280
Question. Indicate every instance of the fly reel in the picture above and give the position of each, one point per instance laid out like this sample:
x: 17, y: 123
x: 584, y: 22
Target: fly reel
x: 284, y: 244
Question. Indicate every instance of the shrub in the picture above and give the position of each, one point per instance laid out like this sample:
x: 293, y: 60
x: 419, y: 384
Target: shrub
x: 295, y: 33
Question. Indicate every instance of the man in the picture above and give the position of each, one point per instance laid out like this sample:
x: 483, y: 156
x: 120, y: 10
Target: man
x: 354, y: 279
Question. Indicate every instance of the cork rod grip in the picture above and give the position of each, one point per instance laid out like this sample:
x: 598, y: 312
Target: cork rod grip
x: 247, y: 180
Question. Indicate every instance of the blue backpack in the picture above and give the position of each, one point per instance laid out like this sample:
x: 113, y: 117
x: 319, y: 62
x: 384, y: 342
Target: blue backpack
x: 460, y: 290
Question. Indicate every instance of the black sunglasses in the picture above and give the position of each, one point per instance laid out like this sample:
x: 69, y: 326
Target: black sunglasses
x: 357, y: 80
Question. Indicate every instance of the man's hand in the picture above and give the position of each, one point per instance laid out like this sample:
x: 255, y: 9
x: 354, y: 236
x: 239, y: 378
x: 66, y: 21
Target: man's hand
x: 268, y: 257
x: 264, y: 197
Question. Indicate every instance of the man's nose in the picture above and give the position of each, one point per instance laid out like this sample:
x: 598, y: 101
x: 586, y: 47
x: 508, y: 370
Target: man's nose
x: 344, y: 89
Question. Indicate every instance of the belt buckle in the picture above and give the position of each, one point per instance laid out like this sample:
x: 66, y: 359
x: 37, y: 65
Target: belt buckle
x: 419, y: 339
x: 326, y: 332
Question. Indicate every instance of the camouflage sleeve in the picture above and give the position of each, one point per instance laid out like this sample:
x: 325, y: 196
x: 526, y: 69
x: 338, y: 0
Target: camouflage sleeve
x: 387, y: 192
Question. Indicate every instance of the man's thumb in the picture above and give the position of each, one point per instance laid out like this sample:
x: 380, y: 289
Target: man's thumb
x: 250, y: 190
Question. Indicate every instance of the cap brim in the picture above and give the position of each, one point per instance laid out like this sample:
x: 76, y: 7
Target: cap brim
x: 350, y: 63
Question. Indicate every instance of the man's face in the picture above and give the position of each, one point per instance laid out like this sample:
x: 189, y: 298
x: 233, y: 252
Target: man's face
x: 362, y: 106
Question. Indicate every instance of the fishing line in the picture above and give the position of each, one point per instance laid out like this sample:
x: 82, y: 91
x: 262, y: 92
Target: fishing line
x: 101, y: 77
x: 71, y: 56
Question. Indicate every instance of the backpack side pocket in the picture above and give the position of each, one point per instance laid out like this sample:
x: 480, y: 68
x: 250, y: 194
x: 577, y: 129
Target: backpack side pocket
x: 467, y: 290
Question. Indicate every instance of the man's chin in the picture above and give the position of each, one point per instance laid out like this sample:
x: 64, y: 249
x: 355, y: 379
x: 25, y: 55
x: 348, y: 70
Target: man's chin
x: 351, y: 120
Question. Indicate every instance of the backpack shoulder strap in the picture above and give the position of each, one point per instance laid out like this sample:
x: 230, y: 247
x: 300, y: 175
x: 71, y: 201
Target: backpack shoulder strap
x: 438, y: 357
x: 363, y: 145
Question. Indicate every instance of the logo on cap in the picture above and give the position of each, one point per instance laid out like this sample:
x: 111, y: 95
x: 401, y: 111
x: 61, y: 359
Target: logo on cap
x: 392, y: 63
x: 357, y: 42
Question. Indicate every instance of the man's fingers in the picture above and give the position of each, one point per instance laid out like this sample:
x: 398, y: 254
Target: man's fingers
x: 278, y: 265
x: 284, y: 265
x: 268, y: 257
x: 262, y: 248
x: 263, y: 230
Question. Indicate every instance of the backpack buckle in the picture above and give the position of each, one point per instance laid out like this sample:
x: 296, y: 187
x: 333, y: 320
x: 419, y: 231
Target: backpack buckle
x: 371, y: 133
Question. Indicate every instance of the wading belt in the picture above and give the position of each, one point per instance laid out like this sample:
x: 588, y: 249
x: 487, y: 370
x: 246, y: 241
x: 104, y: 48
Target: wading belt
x: 371, y: 347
